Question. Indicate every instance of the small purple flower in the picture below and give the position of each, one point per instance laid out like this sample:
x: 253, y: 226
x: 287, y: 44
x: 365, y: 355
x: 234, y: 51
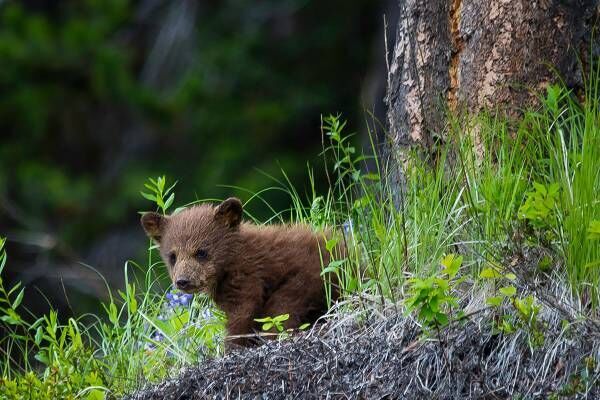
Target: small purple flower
x: 207, y: 314
x: 348, y: 227
x: 176, y: 299
x: 157, y: 336
x: 172, y: 308
x: 185, y: 299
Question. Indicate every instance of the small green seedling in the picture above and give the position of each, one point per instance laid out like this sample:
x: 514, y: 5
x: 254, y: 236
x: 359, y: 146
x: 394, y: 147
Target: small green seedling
x: 277, y: 322
x: 494, y: 273
x: 269, y: 323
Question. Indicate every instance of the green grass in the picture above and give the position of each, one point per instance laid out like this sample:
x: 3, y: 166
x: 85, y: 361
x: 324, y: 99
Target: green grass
x: 105, y: 354
x: 569, y: 144
x: 495, y: 188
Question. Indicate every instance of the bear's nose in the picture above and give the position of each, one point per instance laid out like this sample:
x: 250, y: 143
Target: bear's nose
x: 182, y: 283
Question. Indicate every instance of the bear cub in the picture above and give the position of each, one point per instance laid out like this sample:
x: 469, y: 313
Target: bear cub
x: 249, y: 271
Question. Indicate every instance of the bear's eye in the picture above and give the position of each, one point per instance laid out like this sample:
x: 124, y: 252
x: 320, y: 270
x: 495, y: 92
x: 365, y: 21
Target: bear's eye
x: 172, y: 258
x: 201, y: 254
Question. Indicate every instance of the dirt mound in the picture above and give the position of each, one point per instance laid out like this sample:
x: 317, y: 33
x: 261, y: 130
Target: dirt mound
x: 388, y: 357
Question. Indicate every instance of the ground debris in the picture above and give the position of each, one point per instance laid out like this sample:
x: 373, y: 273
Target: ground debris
x: 388, y: 357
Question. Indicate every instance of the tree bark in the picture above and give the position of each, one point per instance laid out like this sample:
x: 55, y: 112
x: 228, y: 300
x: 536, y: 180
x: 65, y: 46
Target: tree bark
x: 471, y: 55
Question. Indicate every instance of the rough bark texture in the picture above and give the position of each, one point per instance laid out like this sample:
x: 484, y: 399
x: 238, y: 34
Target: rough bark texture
x: 419, y: 70
x: 480, y: 54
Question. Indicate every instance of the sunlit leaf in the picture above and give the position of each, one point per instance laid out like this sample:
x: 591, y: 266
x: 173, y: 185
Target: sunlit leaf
x: 267, y: 326
x: 494, y: 301
x: 490, y: 273
x: 508, y: 291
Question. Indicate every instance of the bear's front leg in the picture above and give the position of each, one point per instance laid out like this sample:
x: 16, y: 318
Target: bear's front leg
x: 241, y: 307
x: 241, y: 298
x: 240, y: 329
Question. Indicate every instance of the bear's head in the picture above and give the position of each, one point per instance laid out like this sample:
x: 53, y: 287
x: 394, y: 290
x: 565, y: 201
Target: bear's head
x: 198, y: 243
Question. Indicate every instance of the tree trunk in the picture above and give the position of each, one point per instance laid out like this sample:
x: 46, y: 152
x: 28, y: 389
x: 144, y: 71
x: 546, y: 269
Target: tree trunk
x: 471, y: 55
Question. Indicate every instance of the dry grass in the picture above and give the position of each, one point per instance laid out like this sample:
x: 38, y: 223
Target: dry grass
x: 378, y: 352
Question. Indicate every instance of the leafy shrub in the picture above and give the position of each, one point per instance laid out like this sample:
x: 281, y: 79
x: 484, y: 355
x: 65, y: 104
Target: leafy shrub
x: 431, y: 297
x: 540, y: 205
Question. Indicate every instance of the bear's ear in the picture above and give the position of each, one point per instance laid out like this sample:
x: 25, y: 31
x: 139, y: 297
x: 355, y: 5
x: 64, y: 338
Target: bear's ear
x: 229, y: 212
x: 154, y: 225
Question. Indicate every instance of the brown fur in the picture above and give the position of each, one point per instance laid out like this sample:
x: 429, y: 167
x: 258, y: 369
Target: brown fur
x: 249, y: 271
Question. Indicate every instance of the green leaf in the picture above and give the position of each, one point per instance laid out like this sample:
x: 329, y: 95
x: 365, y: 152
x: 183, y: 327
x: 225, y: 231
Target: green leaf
x: 333, y: 266
x: 553, y: 92
x: 442, y: 319
x: 303, y: 326
x: 39, y: 335
x: 490, y: 273
x: 508, y: 291
x: 96, y: 394
x: 18, y: 299
x: 169, y: 201
x: 328, y: 270
x: 511, y: 276
x: 14, y: 288
x: 11, y: 317
x: 426, y: 314
x: 113, y: 314
x: 2, y: 256
x: 553, y: 190
x: 494, y: 301
x: 180, y: 320
x: 149, y: 196
x: 434, y: 304
x: 540, y: 188
x: 330, y: 244
x: 171, y: 187
x: 337, y: 263
x: 282, y: 317
x: 267, y: 326
x: 451, y: 264
x: 133, y: 305
x: 451, y: 301
x: 42, y: 357
x: 593, y: 230
x: 161, y: 183
x: 507, y: 327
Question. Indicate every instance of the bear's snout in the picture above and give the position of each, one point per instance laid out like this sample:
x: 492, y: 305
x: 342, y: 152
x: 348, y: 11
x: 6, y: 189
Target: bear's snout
x: 182, y: 283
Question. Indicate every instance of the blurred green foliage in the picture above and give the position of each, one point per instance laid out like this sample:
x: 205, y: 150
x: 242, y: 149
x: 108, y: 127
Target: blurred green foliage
x: 82, y: 128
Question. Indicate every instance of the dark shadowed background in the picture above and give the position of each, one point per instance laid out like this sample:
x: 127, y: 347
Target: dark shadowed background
x: 99, y: 95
